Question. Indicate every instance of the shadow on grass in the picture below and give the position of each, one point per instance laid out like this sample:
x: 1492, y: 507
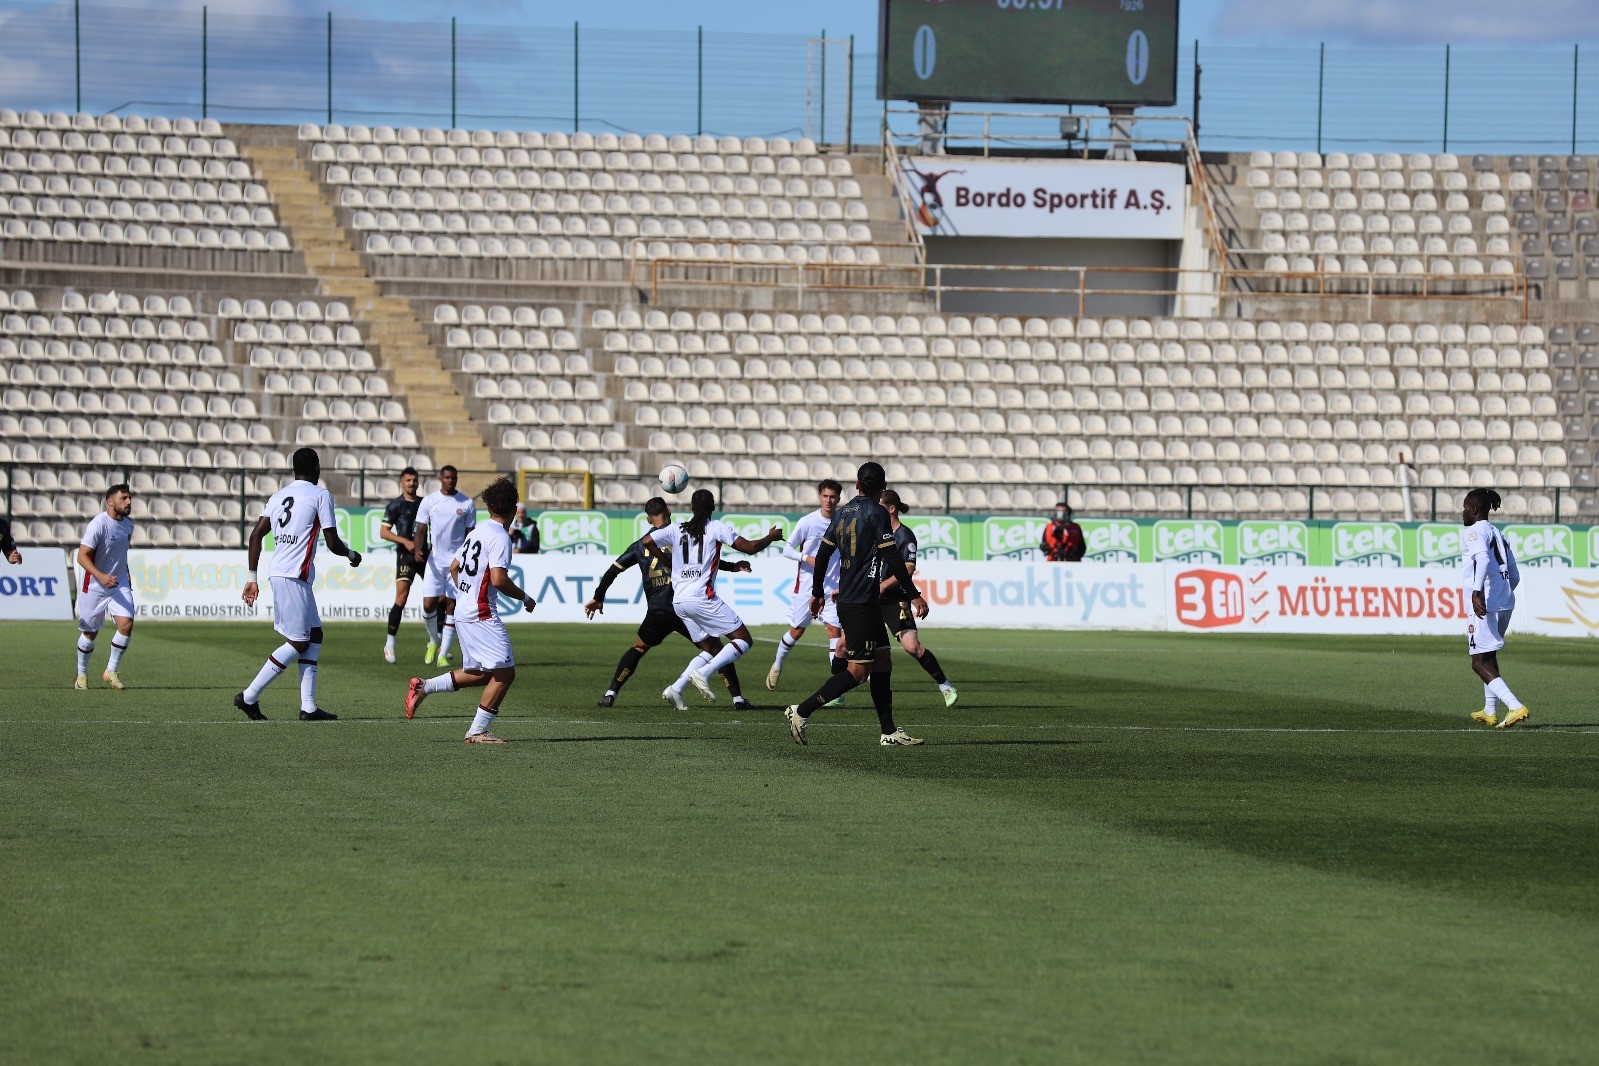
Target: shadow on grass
x: 597, y: 740
x: 1011, y: 743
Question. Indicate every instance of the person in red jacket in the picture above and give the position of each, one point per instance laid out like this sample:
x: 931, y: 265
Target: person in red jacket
x: 1063, y: 539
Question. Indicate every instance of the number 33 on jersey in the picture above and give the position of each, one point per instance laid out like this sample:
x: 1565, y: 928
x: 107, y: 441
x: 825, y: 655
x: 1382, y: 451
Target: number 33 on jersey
x: 486, y: 547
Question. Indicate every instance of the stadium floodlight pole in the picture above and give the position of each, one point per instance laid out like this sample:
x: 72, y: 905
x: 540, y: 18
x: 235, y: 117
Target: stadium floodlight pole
x: 452, y: 72
x: 822, y: 121
x: 576, y: 121
x: 1446, y: 98
x: 1321, y: 92
x: 1575, y: 50
x: 77, y: 58
x: 330, y: 68
x: 849, y: 95
x: 699, y: 82
x: 205, y: 67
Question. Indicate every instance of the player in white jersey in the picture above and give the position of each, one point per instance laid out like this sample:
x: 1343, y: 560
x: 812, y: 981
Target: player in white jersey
x: 801, y: 547
x: 295, y: 515
x: 1488, y: 580
x: 443, y: 520
x: 106, y: 588
x: 478, y: 570
x: 696, y: 547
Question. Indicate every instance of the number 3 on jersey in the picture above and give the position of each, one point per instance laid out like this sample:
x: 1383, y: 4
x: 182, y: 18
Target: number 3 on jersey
x: 288, y: 512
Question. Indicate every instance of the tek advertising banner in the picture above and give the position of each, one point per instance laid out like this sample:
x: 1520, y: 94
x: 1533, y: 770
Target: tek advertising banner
x: 958, y: 196
x: 1301, y: 599
x: 37, y: 589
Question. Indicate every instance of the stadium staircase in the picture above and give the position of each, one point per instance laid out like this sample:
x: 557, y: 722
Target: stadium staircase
x: 397, y: 338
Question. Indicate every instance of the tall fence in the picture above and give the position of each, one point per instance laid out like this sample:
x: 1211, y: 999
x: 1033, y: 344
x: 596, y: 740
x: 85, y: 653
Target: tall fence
x: 247, y: 67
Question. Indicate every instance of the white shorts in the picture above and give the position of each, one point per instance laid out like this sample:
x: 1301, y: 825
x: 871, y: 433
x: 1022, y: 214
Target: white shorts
x: 1487, y: 634
x: 799, y: 611
x: 294, y: 612
x: 95, y: 602
x: 484, y: 645
x: 707, y: 618
x: 436, y: 580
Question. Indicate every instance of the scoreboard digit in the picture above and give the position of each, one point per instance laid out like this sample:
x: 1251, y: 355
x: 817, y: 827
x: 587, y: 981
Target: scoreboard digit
x: 1029, y: 51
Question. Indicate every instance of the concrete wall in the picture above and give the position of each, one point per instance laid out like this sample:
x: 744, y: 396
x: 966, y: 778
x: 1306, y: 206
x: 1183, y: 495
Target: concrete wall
x: 1056, y: 252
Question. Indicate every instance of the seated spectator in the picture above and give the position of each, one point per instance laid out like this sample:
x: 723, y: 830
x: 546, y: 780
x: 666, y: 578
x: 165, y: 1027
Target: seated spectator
x: 1063, y: 539
x: 524, y: 532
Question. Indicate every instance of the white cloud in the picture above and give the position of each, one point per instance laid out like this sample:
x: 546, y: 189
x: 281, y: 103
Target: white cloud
x: 1409, y: 22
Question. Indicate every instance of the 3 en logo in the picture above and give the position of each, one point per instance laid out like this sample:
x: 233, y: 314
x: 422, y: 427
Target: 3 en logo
x: 925, y: 53
x: 1207, y: 599
x: 1137, y: 57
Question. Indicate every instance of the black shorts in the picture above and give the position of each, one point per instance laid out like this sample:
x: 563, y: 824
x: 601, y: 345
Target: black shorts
x: 658, y: 625
x: 864, y: 632
x: 898, y: 616
x: 405, y: 566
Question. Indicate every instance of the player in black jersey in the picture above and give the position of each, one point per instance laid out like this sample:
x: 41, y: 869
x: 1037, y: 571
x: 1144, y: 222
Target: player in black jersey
x: 399, y: 529
x: 660, y: 620
x: 864, y: 540
x: 896, y: 605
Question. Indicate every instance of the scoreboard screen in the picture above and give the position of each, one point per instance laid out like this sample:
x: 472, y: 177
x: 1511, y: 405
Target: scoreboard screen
x: 1029, y: 51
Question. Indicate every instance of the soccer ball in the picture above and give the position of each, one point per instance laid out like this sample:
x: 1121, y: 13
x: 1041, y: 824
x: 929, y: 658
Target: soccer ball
x: 674, y: 478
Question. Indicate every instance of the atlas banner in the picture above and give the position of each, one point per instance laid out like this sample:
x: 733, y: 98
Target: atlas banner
x: 958, y: 196
x: 37, y: 589
x: 209, y: 585
x: 1559, y: 602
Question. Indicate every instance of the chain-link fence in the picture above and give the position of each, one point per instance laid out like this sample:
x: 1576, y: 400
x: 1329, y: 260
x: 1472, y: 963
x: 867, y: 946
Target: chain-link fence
x: 245, y: 67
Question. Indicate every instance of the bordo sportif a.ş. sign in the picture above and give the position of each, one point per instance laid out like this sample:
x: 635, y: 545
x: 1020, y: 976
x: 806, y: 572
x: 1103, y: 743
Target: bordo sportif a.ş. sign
x: 961, y: 197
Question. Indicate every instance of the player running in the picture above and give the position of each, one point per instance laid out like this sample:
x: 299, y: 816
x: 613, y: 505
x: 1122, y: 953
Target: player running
x: 696, y: 547
x: 896, y: 603
x: 1488, y: 577
x: 399, y: 529
x: 659, y: 620
x: 860, y: 534
x: 480, y: 568
x: 801, y: 547
x: 443, y: 519
x: 107, y: 588
x: 294, y: 516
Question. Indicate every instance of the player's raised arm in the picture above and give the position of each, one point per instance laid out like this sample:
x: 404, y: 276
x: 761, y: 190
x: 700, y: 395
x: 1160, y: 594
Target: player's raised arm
x: 252, y: 589
x: 596, y: 604
x: 752, y: 547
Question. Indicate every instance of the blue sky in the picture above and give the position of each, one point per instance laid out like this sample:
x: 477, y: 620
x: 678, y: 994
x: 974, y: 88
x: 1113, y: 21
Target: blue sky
x: 1350, y: 22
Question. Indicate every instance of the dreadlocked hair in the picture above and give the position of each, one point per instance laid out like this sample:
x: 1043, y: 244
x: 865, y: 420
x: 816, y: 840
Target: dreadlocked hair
x: 1487, y: 499
x: 702, y: 503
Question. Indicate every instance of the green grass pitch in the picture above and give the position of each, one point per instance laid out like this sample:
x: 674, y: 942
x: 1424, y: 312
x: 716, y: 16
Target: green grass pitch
x: 1116, y: 848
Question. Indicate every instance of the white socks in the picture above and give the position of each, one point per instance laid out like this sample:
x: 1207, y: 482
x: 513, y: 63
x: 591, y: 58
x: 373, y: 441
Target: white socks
x: 1490, y: 702
x: 784, y: 646
x: 449, y: 636
x: 389, y: 643
x: 308, y: 678
x: 430, y: 619
x: 698, y: 663
x: 727, y: 656
x: 117, y: 650
x: 1498, y: 687
x: 481, y: 722
x: 832, y: 646
x: 276, y: 663
x: 85, y: 649
x: 443, y: 683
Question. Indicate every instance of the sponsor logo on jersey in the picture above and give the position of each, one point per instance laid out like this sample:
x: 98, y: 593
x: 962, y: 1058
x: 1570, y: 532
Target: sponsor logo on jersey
x: 1438, y: 545
x: 1208, y: 599
x: 1274, y: 543
x: 937, y: 536
x: 1366, y: 544
x: 1107, y: 540
x: 1188, y: 540
x: 1541, y: 545
x: 574, y: 532
x: 1012, y: 538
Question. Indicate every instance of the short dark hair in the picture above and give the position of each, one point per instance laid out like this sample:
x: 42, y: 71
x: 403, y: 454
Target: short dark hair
x: 655, y: 506
x: 828, y: 483
x: 121, y: 486
x: 871, y: 478
x: 500, y: 497
x: 410, y: 470
x: 306, y: 461
x: 448, y: 467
